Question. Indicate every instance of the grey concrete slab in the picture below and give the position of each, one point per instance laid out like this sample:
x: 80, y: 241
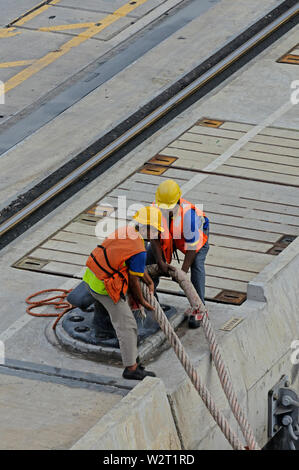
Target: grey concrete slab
x: 146, y: 8
x: 102, y: 73
x: 14, y: 8
x: 33, y: 46
x: 98, y: 75
x: 29, y: 46
x: 243, y: 101
x: 109, y: 6
x: 158, y: 69
x: 250, y: 351
x: 66, y: 17
x: 39, y: 414
x: 71, y: 378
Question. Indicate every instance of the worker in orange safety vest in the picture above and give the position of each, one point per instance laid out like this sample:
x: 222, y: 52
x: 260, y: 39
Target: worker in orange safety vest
x: 114, y: 270
x: 186, y: 228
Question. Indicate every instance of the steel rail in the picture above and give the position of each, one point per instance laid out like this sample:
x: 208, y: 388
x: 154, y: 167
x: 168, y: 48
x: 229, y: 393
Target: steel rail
x: 148, y: 120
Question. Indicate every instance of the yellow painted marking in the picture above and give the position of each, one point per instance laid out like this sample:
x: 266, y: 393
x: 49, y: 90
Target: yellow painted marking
x: 64, y: 27
x: 8, y: 32
x: 35, y: 13
x: 17, y: 63
x: 65, y: 48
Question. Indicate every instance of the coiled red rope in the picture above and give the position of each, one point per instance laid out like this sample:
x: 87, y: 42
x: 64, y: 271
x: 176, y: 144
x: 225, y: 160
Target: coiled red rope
x: 58, y: 301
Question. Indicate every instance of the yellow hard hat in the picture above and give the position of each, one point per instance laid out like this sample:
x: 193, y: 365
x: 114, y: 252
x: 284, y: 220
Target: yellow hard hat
x: 168, y: 194
x: 149, y: 215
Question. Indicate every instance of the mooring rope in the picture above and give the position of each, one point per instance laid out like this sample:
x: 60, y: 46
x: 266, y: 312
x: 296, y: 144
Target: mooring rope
x: 197, y: 307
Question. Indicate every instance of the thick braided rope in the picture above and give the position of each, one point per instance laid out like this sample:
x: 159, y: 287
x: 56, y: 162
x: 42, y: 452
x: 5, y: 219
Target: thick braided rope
x: 189, y: 368
x: 196, y: 304
x: 227, y: 385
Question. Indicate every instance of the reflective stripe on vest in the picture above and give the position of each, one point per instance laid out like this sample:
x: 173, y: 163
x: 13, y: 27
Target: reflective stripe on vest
x: 177, y: 227
x: 175, y: 233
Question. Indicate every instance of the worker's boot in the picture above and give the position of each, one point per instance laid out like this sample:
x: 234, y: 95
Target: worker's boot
x: 194, y: 321
x: 139, y: 373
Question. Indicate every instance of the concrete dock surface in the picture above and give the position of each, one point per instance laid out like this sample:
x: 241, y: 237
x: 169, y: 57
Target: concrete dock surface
x: 236, y: 151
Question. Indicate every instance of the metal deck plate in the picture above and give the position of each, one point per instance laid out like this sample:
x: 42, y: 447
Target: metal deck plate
x: 292, y: 57
x: 251, y: 201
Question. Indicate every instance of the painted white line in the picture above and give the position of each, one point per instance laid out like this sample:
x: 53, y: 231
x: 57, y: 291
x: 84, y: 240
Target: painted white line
x: 16, y: 326
x: 24, y: 319
x: 235, y: 147
x: 144, y: 21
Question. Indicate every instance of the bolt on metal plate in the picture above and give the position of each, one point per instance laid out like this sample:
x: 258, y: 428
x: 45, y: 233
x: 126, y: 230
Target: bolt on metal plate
x: 100, y: 211
x: 210, y: 123
x: 162, y: 160
x: 278, y: 409
x: 33, y: 264
x: 231, y: 297
x: 290, y: 57
x: 275, y: 250
x: 286, y: 240
x: 153, y: 170
x: 231, y: 324
x: 86, y: 219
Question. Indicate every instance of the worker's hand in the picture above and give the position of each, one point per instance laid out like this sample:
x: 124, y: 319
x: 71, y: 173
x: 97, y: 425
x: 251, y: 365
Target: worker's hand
x: 149, y: 282
x: 148, y: 306
x: 151, y: 287
x: 185, y: 269
x: 164, y: 268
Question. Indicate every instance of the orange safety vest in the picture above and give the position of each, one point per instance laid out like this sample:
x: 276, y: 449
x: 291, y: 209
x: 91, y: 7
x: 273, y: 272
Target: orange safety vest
x: 174, y: 235
x: 107, y: 261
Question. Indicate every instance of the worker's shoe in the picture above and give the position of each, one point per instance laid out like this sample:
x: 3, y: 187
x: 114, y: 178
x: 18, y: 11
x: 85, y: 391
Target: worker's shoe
x: 194, y: 321
x: 138, y: 374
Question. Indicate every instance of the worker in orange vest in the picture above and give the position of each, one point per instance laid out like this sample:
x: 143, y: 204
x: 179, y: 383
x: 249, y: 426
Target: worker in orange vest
x: 114, y: 270
x: 186, y: 228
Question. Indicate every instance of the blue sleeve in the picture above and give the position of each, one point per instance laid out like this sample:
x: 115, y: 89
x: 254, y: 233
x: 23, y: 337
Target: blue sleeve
x: 136, y: 264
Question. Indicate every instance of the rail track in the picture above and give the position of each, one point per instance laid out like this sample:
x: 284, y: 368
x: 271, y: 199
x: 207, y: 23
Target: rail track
x: 63, y: 183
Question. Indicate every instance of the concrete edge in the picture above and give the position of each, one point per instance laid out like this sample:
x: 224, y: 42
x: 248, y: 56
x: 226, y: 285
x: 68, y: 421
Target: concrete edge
x: 257, y: 287
x: 141, y: 420
x: 80, y: 376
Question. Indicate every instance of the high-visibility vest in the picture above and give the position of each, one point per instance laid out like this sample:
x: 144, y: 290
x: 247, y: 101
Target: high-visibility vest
x: 173, y: 237
x: 107, y: 261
